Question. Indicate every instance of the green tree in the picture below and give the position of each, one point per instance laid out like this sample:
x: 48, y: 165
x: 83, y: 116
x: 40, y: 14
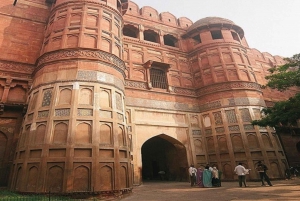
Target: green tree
x: 283, y: 113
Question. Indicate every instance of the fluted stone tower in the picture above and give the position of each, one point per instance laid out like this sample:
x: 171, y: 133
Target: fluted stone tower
x: 74, y: 136
x: 230, y: 97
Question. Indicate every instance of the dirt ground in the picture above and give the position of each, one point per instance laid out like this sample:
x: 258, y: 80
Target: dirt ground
x: 283, y: 190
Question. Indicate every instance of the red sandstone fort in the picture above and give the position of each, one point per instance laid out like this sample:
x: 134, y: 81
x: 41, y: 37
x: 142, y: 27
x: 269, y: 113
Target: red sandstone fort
x: 98, y: 95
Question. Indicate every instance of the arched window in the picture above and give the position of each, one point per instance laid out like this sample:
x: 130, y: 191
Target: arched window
x: 170, y: 40
x: 152, y: 36
x: 130, y: 31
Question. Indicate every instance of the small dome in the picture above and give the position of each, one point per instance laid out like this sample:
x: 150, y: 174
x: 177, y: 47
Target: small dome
x: 209, y: 21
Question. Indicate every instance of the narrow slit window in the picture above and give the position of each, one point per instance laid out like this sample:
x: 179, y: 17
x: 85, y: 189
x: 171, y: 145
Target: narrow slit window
x: 158, y: 78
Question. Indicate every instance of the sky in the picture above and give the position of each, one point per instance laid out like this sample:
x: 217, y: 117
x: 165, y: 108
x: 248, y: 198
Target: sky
x: 271, y: 26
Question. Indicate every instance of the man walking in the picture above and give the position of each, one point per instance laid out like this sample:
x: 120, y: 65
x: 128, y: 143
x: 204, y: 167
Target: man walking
x: 192, y: 172
x: 241, y: 171
x: 262, y: 170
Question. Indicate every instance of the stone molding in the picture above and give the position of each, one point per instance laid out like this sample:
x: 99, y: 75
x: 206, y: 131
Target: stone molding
x: 22, y: 68
x: 100, y: 77
x: 153, y: 44
x: 219, y: 87
x: 87, y: 54
x: 184, y: 91
x: 16, y: 76
x: 217, y: 43
x: 92, y: 77
x: 142, y: 42
x: 158, y: 104
x: 195, y: 108
x: 77, y: 80
x: 6, y: 130
x: 228, y: 86
x: 135, y: 84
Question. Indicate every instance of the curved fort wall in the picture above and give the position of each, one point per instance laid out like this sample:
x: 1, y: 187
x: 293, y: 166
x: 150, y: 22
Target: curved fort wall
x: 73, y: 137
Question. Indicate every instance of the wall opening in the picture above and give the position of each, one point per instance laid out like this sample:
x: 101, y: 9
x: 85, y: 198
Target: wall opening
x: 152, y: 36
x: 235, y: 36
x: 158, y: 78
x: 170, y: 40
x: 298, y: 147
x: 197, y: 39
x: 130, y: 31
x: 163, y: 153
x: 217, y: 34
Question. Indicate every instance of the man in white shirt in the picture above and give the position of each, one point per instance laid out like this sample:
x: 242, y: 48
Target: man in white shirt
x: 192, y: 172
x: 241, y: 171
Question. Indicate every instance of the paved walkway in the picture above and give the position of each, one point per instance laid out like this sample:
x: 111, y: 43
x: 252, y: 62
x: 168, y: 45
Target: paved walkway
x: 283, y: 190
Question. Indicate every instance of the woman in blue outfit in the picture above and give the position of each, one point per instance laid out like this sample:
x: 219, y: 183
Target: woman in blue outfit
x: 207, y: 177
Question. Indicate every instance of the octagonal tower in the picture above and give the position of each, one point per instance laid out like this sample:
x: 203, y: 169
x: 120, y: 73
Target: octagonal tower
x: 74, y: 136
x: 229, y: 98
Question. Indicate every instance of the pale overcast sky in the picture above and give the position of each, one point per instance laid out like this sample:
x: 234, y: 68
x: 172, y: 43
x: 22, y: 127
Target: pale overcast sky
x: 270, y: 25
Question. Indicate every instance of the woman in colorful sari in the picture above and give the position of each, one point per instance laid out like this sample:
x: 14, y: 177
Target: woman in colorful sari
x: 207, y: 177
x: 200, y: 177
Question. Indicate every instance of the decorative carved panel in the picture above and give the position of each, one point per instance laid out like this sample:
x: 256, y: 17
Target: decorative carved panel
x: 218, y: 118
x: 231, y: 117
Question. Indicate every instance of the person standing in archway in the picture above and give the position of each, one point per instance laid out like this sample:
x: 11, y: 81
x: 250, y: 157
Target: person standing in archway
x: 192, y: 172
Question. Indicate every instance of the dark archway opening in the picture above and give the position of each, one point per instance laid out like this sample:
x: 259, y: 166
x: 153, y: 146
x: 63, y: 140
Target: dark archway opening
x: 298, y: 147
x: 163, y: 153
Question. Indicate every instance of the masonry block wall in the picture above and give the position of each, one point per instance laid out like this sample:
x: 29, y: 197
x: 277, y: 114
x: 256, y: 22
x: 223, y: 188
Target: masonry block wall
x: 213, y: 92
x: 98, y: 95
x: 73, y: 136
x: 21, y: 36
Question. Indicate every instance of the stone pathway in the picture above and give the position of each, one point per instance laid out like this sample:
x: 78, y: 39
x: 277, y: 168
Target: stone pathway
x: 283, y: 190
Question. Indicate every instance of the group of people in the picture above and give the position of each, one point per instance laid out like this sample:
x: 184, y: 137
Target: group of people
x: 241, y: 171
x: 209, y: 177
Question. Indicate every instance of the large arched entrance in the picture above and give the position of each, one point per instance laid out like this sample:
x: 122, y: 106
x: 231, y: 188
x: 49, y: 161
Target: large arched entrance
x: 164, y: 153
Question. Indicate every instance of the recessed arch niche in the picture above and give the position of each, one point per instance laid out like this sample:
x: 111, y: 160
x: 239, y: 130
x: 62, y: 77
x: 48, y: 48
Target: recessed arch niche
x: 164, y: 153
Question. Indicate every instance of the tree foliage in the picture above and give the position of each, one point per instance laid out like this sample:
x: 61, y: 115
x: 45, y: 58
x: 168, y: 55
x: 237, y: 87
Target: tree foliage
x: 283, y: 113
x: 285, y: 76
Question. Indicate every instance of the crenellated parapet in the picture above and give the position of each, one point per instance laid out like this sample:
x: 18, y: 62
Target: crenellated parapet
x: 164, y: 18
